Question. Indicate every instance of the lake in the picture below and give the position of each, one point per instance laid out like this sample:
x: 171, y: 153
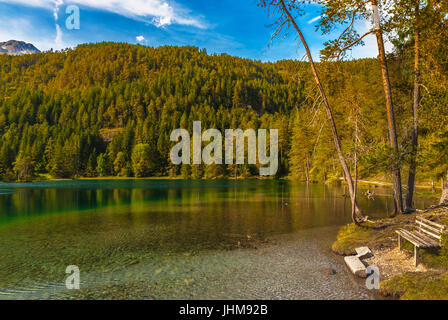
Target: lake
x: 175, y: 239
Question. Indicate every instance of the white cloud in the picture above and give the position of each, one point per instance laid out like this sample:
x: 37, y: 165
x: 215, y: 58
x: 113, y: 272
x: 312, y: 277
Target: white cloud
x: 57, y: 3
x: 59, y: 43
x: 157, y: 12
x: 140, y: 38
x: 314, y: 19
x: 25, y: 30
x: 58, y: 40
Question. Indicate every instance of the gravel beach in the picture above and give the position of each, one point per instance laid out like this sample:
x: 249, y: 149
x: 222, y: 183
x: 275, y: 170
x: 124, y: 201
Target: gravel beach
x: 294, y: 266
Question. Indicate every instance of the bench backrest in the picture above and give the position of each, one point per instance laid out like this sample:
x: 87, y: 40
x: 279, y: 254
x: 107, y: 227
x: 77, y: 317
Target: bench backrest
x: 430, y: 228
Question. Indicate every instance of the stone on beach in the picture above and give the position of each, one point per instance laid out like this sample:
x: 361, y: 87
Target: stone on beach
x: 363, y: 253
x: 356, y: 266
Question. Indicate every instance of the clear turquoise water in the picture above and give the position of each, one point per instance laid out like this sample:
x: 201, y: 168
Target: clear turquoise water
x: 124, y: 233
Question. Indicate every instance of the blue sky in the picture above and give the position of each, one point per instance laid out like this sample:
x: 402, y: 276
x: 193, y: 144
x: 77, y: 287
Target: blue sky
x: 234, y: 27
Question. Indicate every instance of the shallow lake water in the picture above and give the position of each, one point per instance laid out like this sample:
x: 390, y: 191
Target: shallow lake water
x: 173, y: 239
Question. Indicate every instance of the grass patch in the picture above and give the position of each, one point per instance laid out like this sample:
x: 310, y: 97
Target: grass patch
x: 351, y: 237
x: 376, y: 234
x: 417, y: 286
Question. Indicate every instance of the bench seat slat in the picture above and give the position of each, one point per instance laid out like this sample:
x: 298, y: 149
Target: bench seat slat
x: 418, y: 241
x: 424, y: 244
x: 434, y: 243
x: 411, y: 238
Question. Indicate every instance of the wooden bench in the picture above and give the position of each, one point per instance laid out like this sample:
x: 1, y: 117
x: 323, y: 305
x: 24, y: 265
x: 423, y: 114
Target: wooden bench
x: 427, y: 235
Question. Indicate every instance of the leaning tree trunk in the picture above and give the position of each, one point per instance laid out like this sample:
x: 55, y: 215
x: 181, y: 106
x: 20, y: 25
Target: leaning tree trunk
x: 390, y: 108
x: 416, y: 106
x: 444, y: 198
x: 336, y: 139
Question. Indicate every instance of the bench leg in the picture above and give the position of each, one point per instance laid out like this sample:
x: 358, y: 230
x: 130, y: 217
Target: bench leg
x: 416, y: 252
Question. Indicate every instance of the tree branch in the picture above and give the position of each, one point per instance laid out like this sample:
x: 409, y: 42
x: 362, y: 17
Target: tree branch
x: 355, y: 42
x: 353, y: 20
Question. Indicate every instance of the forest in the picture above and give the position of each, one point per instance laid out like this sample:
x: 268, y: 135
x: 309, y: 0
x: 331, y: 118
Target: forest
x: 108, y: 109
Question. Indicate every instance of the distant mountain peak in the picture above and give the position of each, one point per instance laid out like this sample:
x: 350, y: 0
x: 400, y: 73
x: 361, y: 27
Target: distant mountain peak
x: 17, y: 48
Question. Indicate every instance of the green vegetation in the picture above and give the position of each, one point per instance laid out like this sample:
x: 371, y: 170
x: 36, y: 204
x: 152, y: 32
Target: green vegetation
x: 89, y: 111
x: 141, y: 160
x: 378, y: 234
x: 351, y: 237
x: 417, y: 286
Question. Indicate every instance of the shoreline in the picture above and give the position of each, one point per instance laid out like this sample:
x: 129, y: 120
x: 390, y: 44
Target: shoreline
x: 422, y: 189
x: 363, y: 182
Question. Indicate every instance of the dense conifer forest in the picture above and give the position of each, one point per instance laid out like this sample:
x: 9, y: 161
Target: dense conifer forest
x: 108, y: 109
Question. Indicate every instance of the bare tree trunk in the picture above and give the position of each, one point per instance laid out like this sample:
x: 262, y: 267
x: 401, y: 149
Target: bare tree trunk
x: 390, y: 107
x: 416, y: 106
x: 444, y: 198
x: 355, y: 220
x: 307, y: 171
x: 328, y: 109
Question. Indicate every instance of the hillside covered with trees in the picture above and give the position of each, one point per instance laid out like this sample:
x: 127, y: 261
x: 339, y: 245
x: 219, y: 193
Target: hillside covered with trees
x: 108, y: 110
